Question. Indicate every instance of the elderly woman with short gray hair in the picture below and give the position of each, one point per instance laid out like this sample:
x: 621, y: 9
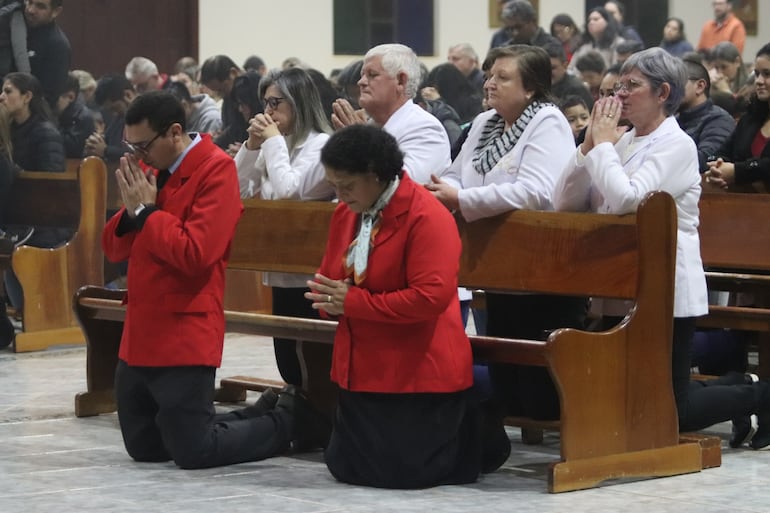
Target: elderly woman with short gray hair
x: 611, y: 173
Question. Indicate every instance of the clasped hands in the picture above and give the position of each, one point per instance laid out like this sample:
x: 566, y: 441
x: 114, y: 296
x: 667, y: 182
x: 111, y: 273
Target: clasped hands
x: 603, y: 126
x: 261, y: 128
x: 720, y: 173
x: 136, y: 185
x: 327, y: 294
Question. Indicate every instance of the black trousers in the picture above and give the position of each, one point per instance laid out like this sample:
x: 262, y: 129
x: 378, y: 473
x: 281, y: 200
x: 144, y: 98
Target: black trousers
x: 522, y: 389
x: 167, y: 413
x: 290, y: 302
x: 405, y: 440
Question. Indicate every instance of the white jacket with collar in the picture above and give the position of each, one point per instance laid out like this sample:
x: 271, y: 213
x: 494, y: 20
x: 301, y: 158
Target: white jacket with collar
x: 614, y: 180
x: 422, y: 139
x: 524, y: 178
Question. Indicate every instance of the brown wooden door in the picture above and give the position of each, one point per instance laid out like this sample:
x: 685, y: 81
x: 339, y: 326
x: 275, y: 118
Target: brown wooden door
x: 106, y: 34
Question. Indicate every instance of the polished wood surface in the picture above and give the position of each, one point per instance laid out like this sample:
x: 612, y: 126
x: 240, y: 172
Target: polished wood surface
x: 50, y: 276
x: 618, y: 416
x: 735, y: 247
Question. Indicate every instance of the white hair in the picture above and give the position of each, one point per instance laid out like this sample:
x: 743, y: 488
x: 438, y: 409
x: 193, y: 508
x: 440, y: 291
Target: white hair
x: 397, y: 58
x: 140, y: 67
x: 465, y: 49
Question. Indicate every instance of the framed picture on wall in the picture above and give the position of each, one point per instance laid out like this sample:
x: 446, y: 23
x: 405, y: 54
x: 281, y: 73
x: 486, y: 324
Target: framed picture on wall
x: 496, y: 6
x: 747, y: 11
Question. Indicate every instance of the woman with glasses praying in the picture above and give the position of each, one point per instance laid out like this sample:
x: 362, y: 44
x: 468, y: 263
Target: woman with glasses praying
x: 745, y: 156
x: 281, y: 159
x: 611, y: 172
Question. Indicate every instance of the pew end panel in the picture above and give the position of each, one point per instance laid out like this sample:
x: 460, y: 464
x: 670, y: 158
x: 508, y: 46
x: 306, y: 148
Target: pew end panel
x: 50, y: 276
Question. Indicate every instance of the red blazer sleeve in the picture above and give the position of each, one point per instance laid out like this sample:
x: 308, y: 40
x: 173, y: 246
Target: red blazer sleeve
x: 116, y: 249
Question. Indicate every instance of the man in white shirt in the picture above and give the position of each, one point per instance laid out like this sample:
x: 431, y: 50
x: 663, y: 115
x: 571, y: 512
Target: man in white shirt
x: 389, y: 81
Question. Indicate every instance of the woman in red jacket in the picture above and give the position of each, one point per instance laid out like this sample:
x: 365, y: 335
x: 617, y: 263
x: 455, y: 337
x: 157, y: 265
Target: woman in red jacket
x: 405, y: 418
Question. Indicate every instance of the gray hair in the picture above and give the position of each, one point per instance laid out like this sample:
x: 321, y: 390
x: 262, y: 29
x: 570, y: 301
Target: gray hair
x: 301, y: 93
x: 660, y: 67
x: 466, y: 49
x: 140, y: 67
x: 398, y: 58
x: 521, y: 9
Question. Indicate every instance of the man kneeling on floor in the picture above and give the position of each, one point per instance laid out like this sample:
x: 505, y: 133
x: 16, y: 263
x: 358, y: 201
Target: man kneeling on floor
x: 175, y: 230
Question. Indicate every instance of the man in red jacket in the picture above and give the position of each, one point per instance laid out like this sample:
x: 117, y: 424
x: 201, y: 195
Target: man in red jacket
x: 175, y: 230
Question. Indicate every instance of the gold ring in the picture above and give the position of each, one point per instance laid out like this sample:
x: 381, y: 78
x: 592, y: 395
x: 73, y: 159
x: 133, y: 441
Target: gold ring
x: 610, y: 116
x: 328, y: 298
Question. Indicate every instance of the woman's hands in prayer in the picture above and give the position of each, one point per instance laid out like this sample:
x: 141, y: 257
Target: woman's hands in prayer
x: 261, y: 128
x: 443, y: 192
x: 603, y: 126
x: 327, y: 294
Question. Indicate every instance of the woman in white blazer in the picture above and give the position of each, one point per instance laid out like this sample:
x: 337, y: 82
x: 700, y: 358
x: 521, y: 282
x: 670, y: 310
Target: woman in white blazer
x: 511, y: 160
x: 281, y: 159
x: 612, y: 171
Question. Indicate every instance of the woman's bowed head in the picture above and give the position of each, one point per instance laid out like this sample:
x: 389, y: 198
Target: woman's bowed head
x: 361, y: 163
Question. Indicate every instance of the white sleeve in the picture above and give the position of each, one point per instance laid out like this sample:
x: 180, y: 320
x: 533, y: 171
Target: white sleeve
x: 426, y: 151
x: 249, y: 177
x: 573, y: 188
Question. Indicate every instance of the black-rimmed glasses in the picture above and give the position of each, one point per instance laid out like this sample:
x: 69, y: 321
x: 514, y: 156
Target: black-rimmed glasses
x: 143, y: 148
x: 273, y: 101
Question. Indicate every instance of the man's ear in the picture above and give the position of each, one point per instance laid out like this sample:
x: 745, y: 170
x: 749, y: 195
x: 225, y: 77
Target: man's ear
x: 402, y: 79
x: 129, y: 95
x: 700, y: 86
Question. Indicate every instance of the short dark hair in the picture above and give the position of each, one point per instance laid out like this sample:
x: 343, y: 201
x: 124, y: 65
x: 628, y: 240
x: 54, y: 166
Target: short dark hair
x: 56, y: 3
x: 555, y: 51
x: 246, y: 91
x: 180, y: 91
x: 697, y: 71
x: 591, y: 61
x: 161, y: 109
x: 360, y: 149
x: 572, y: 101
x: 111, y: 88
x: 26, y: 82
x: 521, y: 9
x: 253, y: 63
x: 217, y: 68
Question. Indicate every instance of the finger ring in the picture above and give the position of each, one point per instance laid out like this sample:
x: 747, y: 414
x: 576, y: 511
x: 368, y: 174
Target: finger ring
x: 328, y: 298
x: 610, y: 116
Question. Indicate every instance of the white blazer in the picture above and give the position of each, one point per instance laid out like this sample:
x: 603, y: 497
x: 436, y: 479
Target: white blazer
x: 422, y: 139
x: 614, y: 180
x: 524, y: 178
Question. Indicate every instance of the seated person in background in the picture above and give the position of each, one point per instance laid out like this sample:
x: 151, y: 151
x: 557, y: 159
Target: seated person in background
x: 708, y: 125
x: 114, y: 94
x: 728, y: 74
x: 218, y: 74
x: 674, y: 41
x: 87, y: 87
x: 188, y: 76
x: 76, y: 121
x: 627, y: 48
x: 405, y: 416
x: 256, y: 64
x: 37, y: 144
x: 745, y: 156
x: 389, y: 82
x: 203, y: 114
x: 347, y: 83
x: 591, y: 67
x: 564, y: 29
x: 281, y: 159
x: 611, y: 173
x: 326, y: 91
x: 577, y: 114
x: 521, y: 21
x: 618, y: 11
x: 143, y: 75
x: 463, y: 57
x: 601, y: 36
x: 442, y: 111
x: 7, y: 331
x: 176, y: 230
x: 564, y: 84
x: 449, y: 84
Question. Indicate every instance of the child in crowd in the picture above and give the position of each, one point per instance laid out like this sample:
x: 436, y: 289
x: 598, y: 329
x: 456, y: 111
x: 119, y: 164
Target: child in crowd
x: 577, y: 114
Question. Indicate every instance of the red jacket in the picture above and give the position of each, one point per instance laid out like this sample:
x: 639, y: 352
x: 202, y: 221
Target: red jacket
x: 176, y: 264
x: 401, y: 331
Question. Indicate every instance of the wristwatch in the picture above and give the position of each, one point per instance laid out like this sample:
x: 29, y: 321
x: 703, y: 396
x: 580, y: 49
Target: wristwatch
x: 138, y: 209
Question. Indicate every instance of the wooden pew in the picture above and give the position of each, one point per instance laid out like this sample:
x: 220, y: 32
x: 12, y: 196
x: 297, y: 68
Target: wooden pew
x: 49, y: 277
x: 735, y: 247
x: 618, y: 415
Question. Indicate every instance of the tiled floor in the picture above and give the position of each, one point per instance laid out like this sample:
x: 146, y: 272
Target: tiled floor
x: 54, y: 462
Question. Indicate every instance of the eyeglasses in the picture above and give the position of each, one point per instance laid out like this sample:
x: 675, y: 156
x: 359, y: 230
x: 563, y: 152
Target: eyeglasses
x: 630, y: 86
x: 273, y: 101
x: 143, y: 148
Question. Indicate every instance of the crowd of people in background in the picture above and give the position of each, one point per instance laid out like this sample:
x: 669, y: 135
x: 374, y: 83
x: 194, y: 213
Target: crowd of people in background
x: 526, y: 127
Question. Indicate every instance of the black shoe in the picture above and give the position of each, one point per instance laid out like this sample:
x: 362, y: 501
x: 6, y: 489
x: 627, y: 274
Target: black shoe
x: 7, y: 332
x: 309, y: 429
x: 264, y: 404
x: 745, y: 428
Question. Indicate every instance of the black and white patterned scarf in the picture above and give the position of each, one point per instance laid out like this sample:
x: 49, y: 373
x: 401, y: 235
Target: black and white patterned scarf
x: 496, y: 141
